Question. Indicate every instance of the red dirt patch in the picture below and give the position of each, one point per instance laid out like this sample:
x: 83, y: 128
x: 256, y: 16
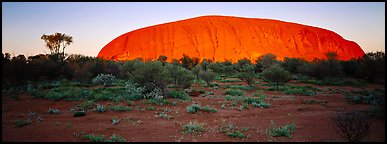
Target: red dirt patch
x: 141, y: 124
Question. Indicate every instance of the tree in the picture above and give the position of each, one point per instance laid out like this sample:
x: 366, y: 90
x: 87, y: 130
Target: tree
x: 276, y: 74
x: 373, y: 66
x: 188, y: 62
x: 207, y: 76
x: 247, y: 74
x: 163, y: 59
x: 151, y: 75
x: 181, y: 77
x: 265, y: 61
x: 196, y: 70
x: 293, y: 64
x: 55, y: 42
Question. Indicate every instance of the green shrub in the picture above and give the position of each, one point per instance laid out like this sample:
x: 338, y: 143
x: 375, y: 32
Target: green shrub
x: 193, y: 108
x: 223, y: 106
x: 283, y: 131
x: 115, y: 120
x: 116, y: 138
x: 241, y: 87
x: 193, y: 127
x: 159, y: 101
x: 235, y: 134
x: 151, y: 75
x: 209, y: 109
x: 90, y: 104
x: 120, y: 108
x: 53, y: 111
x: 100, y: 108
x: 230, y: 129
x: 234, y: 92
x: 227, y: 127
x: 94, y: 138
x: 250, y: 100
x: 164, y: 115
x: 276, y: 74
x: 230, y: 80
x: 21, y: 123
x: 179, y: 95
x: 261, y: 104
x: 207, y: 76
x: 79, y: 113
x: 181, y: 77
x: 105, y: 79
x: 134, y: 92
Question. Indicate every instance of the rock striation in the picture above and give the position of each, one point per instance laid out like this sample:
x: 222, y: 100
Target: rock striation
x: 221, y: 38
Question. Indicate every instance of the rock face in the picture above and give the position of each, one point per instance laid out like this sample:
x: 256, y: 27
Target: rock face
x: 221, y: 38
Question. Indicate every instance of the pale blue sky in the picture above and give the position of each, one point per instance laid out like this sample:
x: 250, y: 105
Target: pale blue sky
x: 93, y: 25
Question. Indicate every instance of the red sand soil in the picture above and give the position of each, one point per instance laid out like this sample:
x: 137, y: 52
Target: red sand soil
x: 312, y: 121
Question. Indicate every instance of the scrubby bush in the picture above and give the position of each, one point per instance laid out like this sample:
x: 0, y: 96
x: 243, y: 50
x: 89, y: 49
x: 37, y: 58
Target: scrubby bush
x: 209, y: 109
x: 100, y: 108
x: 193, y: 108
x: 207, y: 76
x: 150, y: 75
x: 247, y: 73
x: 276, y: 74
x: 134, y: 92
x: 234, y: 92
x: 265, y: 61
x: 293, y: 65
x: 53, y: 111
x: 105, y: 79
x: 181, y: 77
x: 179, y: 95
x: 283, y: 131
x: 188, y: 62
x: 79, y: 113
x: 193, y: 127
x: 353, y: 126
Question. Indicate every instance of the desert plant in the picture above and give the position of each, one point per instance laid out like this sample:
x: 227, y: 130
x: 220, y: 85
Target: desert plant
x: 265, y: 61
x: 164, y: 115
x: 94, y: 138
x: 134, y: 92
x: 104, y: 79
x: 223, y: 106
x: 79, y: 113
x: 261, y: 104
x: 193, y: 108
x: 247, y: 74
x: 151, y: 75
x: 115, y: 120
x: 236, y: 133
x: 21, y: 123
x: 234, y: 92
x: 155, y: 94
x: 179, y: 95
x: 207, y: 76
x: 181, y: 77
x: 53, y: 111
x: 353, y: 126
x: 100, y: 108
x: 90, y: 104
x: 276, y: 74
x: 285, y: 130
x: 193, y: 127
x: 120, y: 108
x: 116, y: 138
x: 209, y: 109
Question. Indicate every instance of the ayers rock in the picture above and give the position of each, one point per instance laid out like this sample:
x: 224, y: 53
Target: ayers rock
x: 221, y: 38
